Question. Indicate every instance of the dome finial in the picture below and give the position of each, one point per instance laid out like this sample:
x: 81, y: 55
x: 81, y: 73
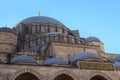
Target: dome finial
x: 39, y: 13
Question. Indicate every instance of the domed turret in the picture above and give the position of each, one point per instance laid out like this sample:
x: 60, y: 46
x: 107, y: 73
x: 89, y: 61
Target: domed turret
x: 91, y: 40
x: 6, y: 29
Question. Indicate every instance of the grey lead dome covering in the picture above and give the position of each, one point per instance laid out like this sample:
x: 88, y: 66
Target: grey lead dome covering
x: 84, y: 55
x: 23, y: 59
x: 40, y: 19
x: 55, y: 61
x: 117, y: 58
x: 117, y: 64
x: 92, y: 39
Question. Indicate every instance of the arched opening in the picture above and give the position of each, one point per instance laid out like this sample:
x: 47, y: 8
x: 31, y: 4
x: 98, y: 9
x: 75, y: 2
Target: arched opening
x: 98, y: 77
x: 27, y: 76
x: 63, y: 77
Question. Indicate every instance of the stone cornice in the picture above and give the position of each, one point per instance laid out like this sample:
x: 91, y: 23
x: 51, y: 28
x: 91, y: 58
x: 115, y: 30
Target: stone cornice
x: 74, y: 45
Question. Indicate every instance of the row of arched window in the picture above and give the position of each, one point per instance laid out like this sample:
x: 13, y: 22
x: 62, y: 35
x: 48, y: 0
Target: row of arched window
x: 45, y: 29
x: 51, y: 38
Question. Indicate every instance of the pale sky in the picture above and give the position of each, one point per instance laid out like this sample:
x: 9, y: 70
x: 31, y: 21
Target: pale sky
x: 100, y: 18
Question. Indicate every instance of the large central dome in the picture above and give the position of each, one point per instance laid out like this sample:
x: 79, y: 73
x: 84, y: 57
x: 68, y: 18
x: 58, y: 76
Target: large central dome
x: 40, y: 19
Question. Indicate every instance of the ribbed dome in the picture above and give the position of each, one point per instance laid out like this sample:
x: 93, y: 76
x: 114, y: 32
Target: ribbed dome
x: 6, y: 29
x: 92, y: 39
x: 117, y: 58
x: 23, y: 59
x: 51, y: 61
x: 85, y: 55
x: 40, y: 19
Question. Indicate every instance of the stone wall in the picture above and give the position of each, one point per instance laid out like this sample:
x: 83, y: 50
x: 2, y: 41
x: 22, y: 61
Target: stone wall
x: 65, y: 49
x: 11, y: 72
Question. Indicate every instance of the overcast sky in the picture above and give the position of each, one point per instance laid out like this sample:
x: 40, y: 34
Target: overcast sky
x: 100, y: 18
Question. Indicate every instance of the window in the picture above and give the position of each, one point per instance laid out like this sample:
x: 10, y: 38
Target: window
x: 73, y: 40
x: 38, y: 41
x: 47, y: 39
x: 34, y: 42
x: 46, y: 29
x: 29, y: 29
x: 59, y: 30
x: 56, y: 38
x: 61, y: 39
x: 65, y: 39
x: 51, y: 38
x: 69, y: 39
x: 42, y: 29
x: 33, y: 30
x: 37, y: 29
x: 30, y: 43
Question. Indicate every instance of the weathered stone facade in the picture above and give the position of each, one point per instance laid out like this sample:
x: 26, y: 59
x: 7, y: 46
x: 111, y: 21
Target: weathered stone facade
x: 42, y: 48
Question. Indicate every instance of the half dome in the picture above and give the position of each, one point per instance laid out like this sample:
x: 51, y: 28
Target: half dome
x: 40, y: 19
x: 84, y: 55
x: 23, y: 59
x: 92, y: 39
x: 51, y: 61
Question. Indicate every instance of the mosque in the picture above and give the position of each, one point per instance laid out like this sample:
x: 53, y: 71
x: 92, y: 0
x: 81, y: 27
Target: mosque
x: 43, y: 48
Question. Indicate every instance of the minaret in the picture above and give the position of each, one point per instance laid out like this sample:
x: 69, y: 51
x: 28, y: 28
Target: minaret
x: 39, y: 13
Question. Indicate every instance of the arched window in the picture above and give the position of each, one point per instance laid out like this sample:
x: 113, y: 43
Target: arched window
x: 33, y: 29
x: 29, y: 29
x: 46, y: 29
x: 42, y: 29
x: 37, y: 29
x: 38, y: 41
x: 65, y: 39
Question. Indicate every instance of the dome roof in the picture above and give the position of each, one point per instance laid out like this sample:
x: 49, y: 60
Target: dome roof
x: 55, y: 61
x: 85, y: 55
x: 117, y: 58
x: 6, y: 29
x: 23, y: 59
x: 92, y: 39
x: 40, y: 19
x: 117, y: 64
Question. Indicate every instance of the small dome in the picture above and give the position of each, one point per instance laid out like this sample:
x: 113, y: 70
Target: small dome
x: 6, y: 29
x: 51, y: 61
x: 23, y: 59
x: 40, y: 19
x: 117, y: 64
x: 85, y: 55
x: 92, y: 39
x: 117, y: 58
